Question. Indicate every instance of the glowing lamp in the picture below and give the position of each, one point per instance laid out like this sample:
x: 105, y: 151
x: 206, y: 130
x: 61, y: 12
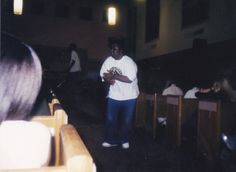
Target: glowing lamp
x: 111, y: 15
x: 18, y: 7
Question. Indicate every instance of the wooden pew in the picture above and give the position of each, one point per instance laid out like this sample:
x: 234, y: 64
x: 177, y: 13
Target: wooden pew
x: 228, y: 117
x: 52, y: 103
x: 54, y: 122
x: 53, y: 100
x: 178, y: 110
x: 214, y: 118
x: 157, y: 105
x: 142, y: 110
x: 74, y: 152
x: 70, y: 153
x: 74, y: 156
x: 209, y: 129
x: 159, y: 111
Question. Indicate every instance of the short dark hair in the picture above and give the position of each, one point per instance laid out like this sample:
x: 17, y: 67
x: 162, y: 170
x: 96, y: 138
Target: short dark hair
x: 20, y: 78
x: 72, y: 46
x: 116, y: 41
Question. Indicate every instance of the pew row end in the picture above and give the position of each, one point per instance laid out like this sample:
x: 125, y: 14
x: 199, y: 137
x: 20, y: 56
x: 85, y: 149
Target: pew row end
x: 75, y: 153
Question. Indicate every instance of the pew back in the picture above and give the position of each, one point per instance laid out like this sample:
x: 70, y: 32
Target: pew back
x: 142, y: 108
x: 54, y: 123
x: 178, y: 110
x: 74, y: 155
x: 173, y: 112
x: 74, y: 152
x: 159, y: 111
x: 209, y: 129
x: 228, y: 118
x: 52, y: 103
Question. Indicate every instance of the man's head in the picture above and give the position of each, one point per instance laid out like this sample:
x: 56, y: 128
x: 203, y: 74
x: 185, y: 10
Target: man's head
x: 116, y: 52
x: 116, y: 49
x: 72, y: 46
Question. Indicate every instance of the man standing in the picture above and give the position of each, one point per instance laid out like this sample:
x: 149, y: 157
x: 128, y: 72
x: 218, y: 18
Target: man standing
x: 120, y: 71
x: 74, y: 66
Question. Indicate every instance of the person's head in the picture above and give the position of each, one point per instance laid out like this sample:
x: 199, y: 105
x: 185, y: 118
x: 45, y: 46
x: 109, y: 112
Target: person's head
x: 72, y: 46
x: 117, y: 49
x: 20, y: 78
x: 226, y: 84
x: 169, y: 82
x: 216, y: 86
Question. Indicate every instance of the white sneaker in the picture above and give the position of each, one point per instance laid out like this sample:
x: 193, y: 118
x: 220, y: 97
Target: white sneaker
x: 107, y: 145
x: 125, y: 145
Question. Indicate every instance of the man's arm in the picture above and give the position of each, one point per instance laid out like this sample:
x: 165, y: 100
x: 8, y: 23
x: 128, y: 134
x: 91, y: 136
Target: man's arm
x: 71, y: 64
x: 122, y: 78
x: 110, y: 77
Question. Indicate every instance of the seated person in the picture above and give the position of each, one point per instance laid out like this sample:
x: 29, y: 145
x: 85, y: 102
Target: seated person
x: 23, y: 144
x: 214, y: 93
x: 172, y: 89
x: 227, y: 86
x: 190, y: 94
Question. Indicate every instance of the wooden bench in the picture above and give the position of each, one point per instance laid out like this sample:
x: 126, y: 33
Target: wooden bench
x: 228, y: 118
x: 153, y: 104
x: 54, y: 122
x: 175, y: 108
x: 178, y: 110
x: 53, y: 100
x: 214, y: 118
x: 209, y: 129
x: 142, y: 110
x: 74, y: 156
x: 74, y: 153
x: 159, y: 111
x: 69, y: 153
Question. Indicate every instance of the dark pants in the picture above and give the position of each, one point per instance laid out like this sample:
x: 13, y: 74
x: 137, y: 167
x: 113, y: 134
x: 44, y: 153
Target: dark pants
x: 119, y: 120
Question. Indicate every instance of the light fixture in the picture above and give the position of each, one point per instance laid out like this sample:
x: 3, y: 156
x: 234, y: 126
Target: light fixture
x: 111, y: 16
x: 18, y: 7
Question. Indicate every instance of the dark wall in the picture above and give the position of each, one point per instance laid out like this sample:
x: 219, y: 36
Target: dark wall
x: 198, y: 66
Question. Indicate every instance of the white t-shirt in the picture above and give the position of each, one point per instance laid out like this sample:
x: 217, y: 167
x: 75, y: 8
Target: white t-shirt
x: 124, y: 66
x: 24, y: 144
x: 172, y: 90
x: 190, y: 94
x: 77, y: 66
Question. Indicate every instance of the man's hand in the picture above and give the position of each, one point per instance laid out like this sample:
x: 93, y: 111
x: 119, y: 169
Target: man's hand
x: 109, y: 77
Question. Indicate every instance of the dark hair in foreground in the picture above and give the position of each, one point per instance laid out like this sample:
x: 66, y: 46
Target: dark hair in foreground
x: 20, y: 78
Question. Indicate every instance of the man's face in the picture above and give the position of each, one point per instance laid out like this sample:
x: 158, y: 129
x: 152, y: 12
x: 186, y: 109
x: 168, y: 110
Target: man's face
x: 116, y: 52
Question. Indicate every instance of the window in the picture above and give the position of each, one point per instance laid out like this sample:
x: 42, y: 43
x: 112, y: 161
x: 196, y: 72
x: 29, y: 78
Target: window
x: 194, y: 12
x: 86, y: 13
x: 152, y: 19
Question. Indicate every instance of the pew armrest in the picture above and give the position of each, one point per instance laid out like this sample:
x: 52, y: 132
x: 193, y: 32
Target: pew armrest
x: 74, y: 152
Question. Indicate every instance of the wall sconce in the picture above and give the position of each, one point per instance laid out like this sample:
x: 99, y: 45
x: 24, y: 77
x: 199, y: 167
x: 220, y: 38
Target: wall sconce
x: 18, y: 7
x: 111, y: 16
